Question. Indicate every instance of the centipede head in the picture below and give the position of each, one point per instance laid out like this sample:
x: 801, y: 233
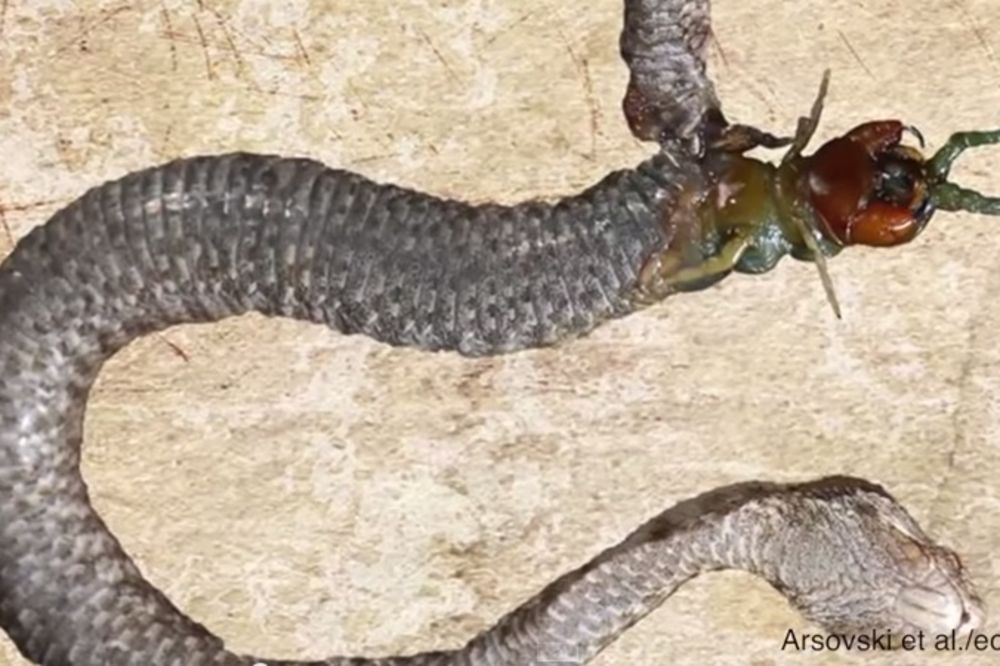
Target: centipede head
x: 868, y: 188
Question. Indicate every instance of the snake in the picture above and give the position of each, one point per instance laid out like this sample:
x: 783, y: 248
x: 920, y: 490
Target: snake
x: 203, y: 238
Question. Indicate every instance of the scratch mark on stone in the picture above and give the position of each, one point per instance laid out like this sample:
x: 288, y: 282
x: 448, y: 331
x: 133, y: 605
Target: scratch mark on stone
x: 857, y: 56
x: 169, y: 32
x: 751, y: 85
x: 3, y: 16
x: 583, y: 67
x: 42, y: 203
x: 174, y: 347
x: 6, y: 227
x: 503, y: 31
x: 189, y: 39
x: 717, y: 43
x: 219, y: 16
x: 106, y: 17
x: 204, y: 46
x: 376, y: 158
x: 237, y: 56
x: 977, y: 31
x: 302, y: 48
x: 163, y: 148
x: 437, y: 53
x: 964, y: 382
x: 281, y: 93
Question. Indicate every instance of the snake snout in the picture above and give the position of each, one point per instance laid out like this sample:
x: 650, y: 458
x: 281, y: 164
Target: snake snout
x: 939, y: 607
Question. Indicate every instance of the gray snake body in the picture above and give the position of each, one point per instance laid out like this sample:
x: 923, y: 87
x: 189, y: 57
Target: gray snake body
x: 204, y: 238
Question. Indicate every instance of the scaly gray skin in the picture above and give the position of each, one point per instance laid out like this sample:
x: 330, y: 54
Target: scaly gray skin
x: 841, y: 549
x: 664, y: 43
x: 202, y: 239
x: 205, y: 238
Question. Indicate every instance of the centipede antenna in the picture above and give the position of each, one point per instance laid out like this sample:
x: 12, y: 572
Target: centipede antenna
x: 950, y: 196
x: 803, y: 134
x: 807, y: 125
x: 807, y: 230
x: 940, y: 164
x: 824, y: 277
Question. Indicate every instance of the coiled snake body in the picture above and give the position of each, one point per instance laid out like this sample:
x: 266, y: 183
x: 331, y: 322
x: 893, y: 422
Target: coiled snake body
x: 204, y: 238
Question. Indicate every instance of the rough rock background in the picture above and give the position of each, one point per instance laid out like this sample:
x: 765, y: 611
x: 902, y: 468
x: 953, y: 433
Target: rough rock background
x: 304, y: 493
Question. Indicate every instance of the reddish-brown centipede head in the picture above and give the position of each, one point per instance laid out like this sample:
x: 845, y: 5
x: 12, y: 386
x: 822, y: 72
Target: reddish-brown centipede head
x: 869, y: 189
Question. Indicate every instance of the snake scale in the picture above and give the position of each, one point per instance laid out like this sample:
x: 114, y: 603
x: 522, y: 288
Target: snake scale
x: 204, y: 238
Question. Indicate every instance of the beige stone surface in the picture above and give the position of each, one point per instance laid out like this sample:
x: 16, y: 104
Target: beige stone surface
x: 304, y: 493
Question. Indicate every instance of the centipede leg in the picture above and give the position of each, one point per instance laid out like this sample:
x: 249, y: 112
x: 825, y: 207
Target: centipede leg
x: 957, y: 144
x: 946, y: 195
x: 718, y: 266
x: 667, y: 273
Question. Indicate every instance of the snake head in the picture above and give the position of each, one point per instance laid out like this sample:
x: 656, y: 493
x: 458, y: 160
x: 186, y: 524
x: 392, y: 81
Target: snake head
x: 879, y: 571
x: 867, y: 188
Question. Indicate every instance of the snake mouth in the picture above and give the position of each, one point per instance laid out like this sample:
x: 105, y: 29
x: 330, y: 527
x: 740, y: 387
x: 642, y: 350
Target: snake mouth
x: 940, y: 609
